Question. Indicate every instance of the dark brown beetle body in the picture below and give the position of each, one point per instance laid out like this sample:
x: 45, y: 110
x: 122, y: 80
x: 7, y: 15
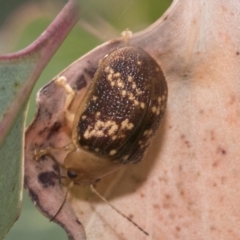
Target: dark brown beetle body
x: 118, y: 116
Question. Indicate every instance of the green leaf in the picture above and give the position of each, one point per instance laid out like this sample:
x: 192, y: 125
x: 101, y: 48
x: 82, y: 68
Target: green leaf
x: 18, y: 74
x: 11, y: 175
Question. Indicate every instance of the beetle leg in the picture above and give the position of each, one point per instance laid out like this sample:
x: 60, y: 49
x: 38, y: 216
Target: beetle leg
x: 62, y: 81
x: 51, y: 150
x: 126, y: 35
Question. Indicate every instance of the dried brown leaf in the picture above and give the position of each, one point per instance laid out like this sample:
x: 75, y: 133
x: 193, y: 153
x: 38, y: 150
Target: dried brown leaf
x: 187, y: 185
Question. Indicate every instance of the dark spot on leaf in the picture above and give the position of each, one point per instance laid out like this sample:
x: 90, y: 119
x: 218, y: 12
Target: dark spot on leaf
x: 215, y: 164
x: 166, y: 205
x: 182, y: 193
x: 137, y: 180
x: 142, y: 195
x: 78, y: 222
x: 48, y: 179
x: 90, y: 72
x: 162, y: 179
x: 42, y: 131
x: 45, y: 89
x: 55, y: 167
x: 81, y: 82
x: 221, y: 150
x: 16, y: 84
x: 167, y: 196
x: 44, y: 113
x: 223, y: 180
x: 232, y: 100
x: 212, y: 135
x: 213, y: 228
x: 81, y: 212
x: 25, y: 181
x: 180, y: 168
x: 182, y: 136
x: 33, y: 195
x: 185, y: 141
x: 178, y: 228
x: 54, y: 129
x: 156, y: 206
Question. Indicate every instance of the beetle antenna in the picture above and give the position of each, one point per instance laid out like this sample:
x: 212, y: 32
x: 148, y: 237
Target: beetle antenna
x: 64, y: 200
x: 94, y: 190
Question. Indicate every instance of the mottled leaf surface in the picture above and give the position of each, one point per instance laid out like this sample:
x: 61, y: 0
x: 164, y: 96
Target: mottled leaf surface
x: 186, y: 187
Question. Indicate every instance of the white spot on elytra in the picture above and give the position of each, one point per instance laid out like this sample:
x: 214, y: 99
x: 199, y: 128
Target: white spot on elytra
x: 94, y: 98
x: 147, y: 133
x: 154, y: 109
x: 99, y: 126
x: 107, y: 69
x: 113, y: 129
x: 120, y: 83
x: 136, y: 103
x: 139, y: 92
x: 126, y: 124
x: 142, y: 105
x: 112, y: 152
x: 118, y: 74
x: 109, y: 77
x: 124, y: 92
x: 131, y: 97
x: 134, y: 85
x: 97, y: 114
x: 130, y: 79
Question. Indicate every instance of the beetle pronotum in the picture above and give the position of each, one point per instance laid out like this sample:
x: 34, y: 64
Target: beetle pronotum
x: 118, y: 116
